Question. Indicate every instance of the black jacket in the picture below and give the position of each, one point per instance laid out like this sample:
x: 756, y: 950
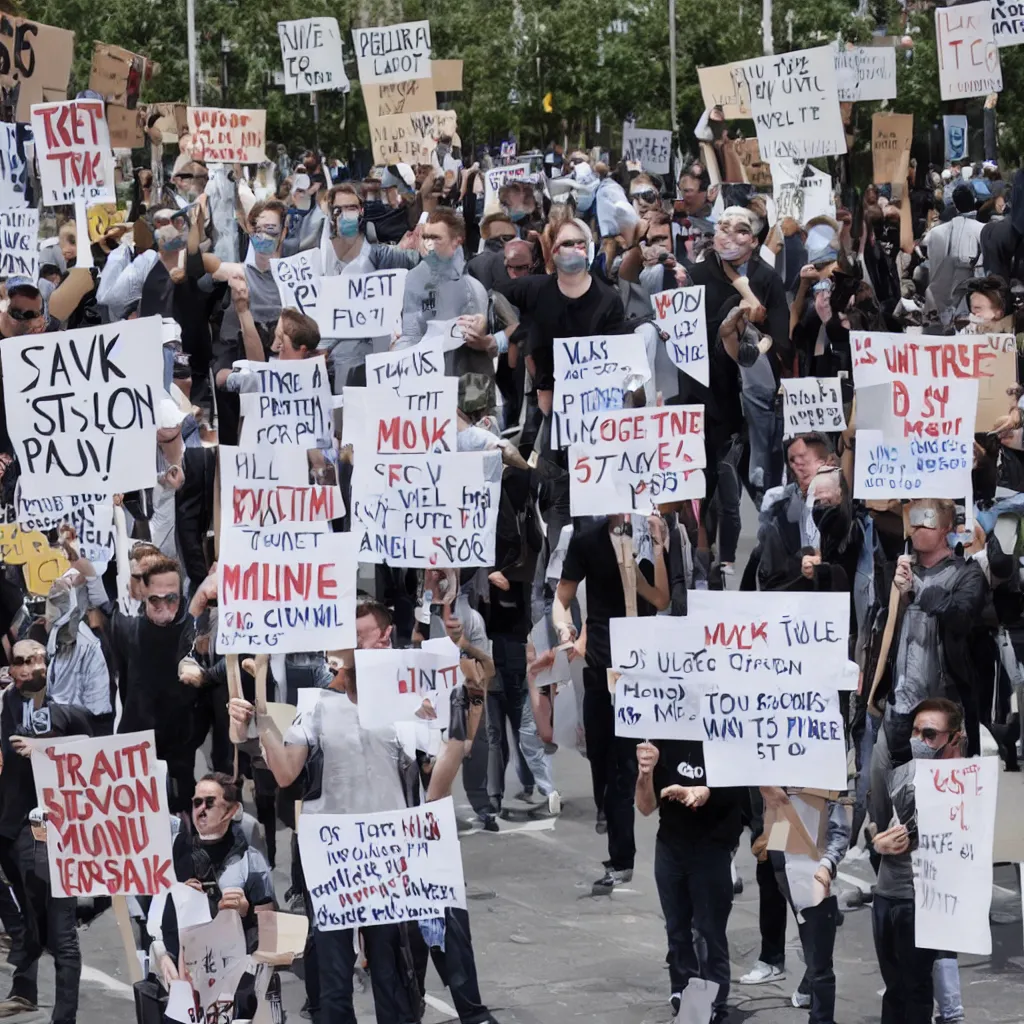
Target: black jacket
x: 193, y: 508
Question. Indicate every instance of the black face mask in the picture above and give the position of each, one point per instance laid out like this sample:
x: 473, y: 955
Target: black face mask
x: 36, y: 683
x: 372, y: 206
x: 494, y: 245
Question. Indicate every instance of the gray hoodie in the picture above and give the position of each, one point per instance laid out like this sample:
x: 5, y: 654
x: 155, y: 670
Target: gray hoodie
x: 78, y: 672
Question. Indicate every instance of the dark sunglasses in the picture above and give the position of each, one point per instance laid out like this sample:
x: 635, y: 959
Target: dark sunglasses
x: 170, y: 600
x: 24, y: 314
x: 517, y: 266
x: 189, y: 177
x: 930, y: 735
x: 504, y: 239
x: 19, y: 660
x: 200, y: 801
x: 648, y: 195
x: 572, y: 244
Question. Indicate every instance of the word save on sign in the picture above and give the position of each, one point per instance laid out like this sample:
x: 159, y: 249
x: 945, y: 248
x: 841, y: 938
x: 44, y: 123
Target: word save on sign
x: 968, y: 54
x: 73, y: 151
x: 393, y: 53
x: 680, y: 314
x: 311, y: 54
x: 956, y: 816
x: 360, y: 305
x: 81, y: 407
x: 108, y: 830
x: 366, y: 869
x: 19, y: 243
x: 228, y: 136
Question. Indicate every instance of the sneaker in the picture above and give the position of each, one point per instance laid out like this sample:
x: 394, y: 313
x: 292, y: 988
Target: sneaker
x: 675, y: 1002
x: 611, y: 878
x: 728, y: 569
x: 554, y: 802
x: 601, y: 827
x: 14, y: 1005
x: 525, y: 796
x: 801, y: 1000
x: 761, y: 973
x: 488, y: 822
x: 720, y: 1016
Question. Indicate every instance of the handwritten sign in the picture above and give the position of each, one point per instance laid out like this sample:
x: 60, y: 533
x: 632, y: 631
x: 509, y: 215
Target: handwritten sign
x: 215, y: 959
x: 298, y: 281
x: 91, y: 515
x: 81, y: 407
x: 73, y: 152
x: 393, y: 53
x: 408, y: 685
x: 891, y: 136
x: 291, y: 405
x: 410, y: 137
x: 633, y: 459
x: 311, y: 54
x: 968, y: 53
x: 366, y: 869
x: 13, y: 169
x: 108, y: 829
x: 726, y: 86
x: 651, y: 146
x: 270, y: 486
x: 496, y: 177
x: 398, y: 98
x: 19, y: 243
x: 593, y: 375
x: 812, y: 403
x: 756, y: 171
x: 956, y: 813
x: 1008, y: 22
x: 809, y: 197
x: 954, y: 134
x: 289, y: 589
x: 36, y: 59
x: 680, y: 314
x: 795, y: 104
x: 361, y: 305
x: 40, y: 563
x: 228, y: 136
x: 866, y: 73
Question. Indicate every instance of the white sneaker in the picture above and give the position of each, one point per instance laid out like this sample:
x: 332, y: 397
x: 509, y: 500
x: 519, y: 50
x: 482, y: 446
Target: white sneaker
x: 761, y: 973
x: 801, y: 1000
x: 554, y: 802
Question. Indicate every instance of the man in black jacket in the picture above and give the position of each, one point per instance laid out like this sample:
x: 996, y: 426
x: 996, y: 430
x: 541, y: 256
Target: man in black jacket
x: 45, y: 921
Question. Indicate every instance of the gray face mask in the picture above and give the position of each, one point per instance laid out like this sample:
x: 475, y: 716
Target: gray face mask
x: 920, y: 750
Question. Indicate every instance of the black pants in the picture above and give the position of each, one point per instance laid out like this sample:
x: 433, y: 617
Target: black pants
x: 771, y: 916
x: 337, y: 960
x: 612, y: 768
x: 694, y: 881
x: 906, y: 969
x: 818, y: 938
x: 455, y: 964
x: 504, y: 712
x: 45, y: 923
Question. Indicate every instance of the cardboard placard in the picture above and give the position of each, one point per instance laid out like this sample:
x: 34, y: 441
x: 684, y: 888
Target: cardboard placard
x: 447, y: 75
x: 756, y: 171
x: 172, y: 120
x: 410, y: 138
x: 398, y: 98
x: 38, y: 58
x: 117, y: 74
x: 228, y: 136
x: 127, y: 127
x: 726, y: 86
x: 891, y: 135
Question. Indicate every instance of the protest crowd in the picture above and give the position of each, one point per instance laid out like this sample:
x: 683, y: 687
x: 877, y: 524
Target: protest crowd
x: 489, y: 516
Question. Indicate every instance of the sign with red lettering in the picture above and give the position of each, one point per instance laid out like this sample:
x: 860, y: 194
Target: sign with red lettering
x: 108, y: 829
x: 880, y: 358
x: 680, y: 314
x: 286, y: 590
x: 73, y: 152
x: 967, y: 49
x: 228, y: 136
x: 408, y: 685
x: 630, y: 460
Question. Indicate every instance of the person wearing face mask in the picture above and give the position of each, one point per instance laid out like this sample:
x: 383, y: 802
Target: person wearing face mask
x: 189, y: 182
x: 520, y: 205
x: 488, y: 266
x: 29, y: 714
x: 936, y: 732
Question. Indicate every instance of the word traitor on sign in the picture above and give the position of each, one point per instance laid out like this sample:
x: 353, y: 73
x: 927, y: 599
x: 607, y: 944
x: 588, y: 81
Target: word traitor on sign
x: 367, y: 869
x: 393, y: 53
x: 311, y: 55
x: 108, y: 830
x: 73, y: 151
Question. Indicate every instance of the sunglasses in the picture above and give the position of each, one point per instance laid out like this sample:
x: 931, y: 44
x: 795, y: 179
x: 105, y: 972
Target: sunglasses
x: 504, y: 239
x: 155, y: 600
x: 648, y: 195
x: 190, y: 177
x: 200, y: 801
x: 24, y: 314
x: 930, y: 735
x: 19, y: 660
x: 573, y: 243
x: 517, y: 266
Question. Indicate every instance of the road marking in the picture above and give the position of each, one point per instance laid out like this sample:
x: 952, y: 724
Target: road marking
x: 863, y: 886
x: 98, y: 977
x: 440, y: 1005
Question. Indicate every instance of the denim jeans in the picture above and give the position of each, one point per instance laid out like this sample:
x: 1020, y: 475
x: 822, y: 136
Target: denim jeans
x: 336, y: 958
x: 694, y: 880
x: 531, y: 747
x: 46, y: 923
x: 504, y: 712
x: 946, y: 982
x: 818, y: 938
x: 906, y: 969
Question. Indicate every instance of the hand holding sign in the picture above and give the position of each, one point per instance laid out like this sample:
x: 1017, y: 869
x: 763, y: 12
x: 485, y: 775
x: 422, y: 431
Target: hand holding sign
x: 647, y: 755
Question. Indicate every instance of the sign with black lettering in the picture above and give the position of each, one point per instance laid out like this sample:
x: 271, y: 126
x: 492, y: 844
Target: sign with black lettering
x: 393, y: 53
x: 19, y: 243
x: 360, y: 305
x: 311, y: 53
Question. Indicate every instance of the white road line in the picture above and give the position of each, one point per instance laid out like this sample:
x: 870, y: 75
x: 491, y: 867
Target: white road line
x: 440, y: 1005
x: 863, y: 886
x: 98, y: 977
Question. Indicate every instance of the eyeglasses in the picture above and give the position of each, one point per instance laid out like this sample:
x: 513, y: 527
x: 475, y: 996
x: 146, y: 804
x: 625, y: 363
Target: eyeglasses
x: 24, y: 314
x: 517, y: 266
x: 190, y: 177
x: 155, y: 600
x: 572, y: 243
x: 268, y: 232
x: 504, y: 239
x: 201, y: 801
x: 928, y: 735
x: 24, y: 659
x: 658, y: 240
x: 647, y: 195
x: 339, y: 211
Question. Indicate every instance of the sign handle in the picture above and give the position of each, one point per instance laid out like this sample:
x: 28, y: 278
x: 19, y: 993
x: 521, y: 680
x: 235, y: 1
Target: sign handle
x: 238, y: 733
x: 124, y: 926
x: 83, y: 259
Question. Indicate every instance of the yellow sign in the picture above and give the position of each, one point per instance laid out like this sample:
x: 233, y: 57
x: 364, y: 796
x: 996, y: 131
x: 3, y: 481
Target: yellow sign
x: 102, y: 217
x: 41, y: 563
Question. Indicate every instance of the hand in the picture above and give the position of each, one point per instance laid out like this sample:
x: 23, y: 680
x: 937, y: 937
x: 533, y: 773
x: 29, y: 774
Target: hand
x: 190, y: 673
x: 474, y: 332
x: 411, y: 239
x: 659, y: 531
x: 452, y: 626
x: 498, y: 580
x: 696, y: 796
x: 240, y: 294
x: 774, y: 797
x: 808, y: 272
x: 536, y: 664
x: 681, y: 795
x: 903, y: 578
x: 579, y: 647
x: 426, y: 711
x: 824, y: 876
x: 172, y: 478
x: 234, y: 899
x: 240, y: 711
x: 206, y: 593
x: 647, y: 755
x: 893, y: 841
x: 194, y: 883
x: 1007, y: 424
x: 682, y: 278
x: 23, y: 745
x: 807, y: 564
x: 566, y: 633
x: 168, y: 971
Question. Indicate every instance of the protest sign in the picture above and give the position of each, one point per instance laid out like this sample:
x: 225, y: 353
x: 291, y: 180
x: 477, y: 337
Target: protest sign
x: 425, y: 511
x: 409, y: 684
x: 127, y: 126
x: 632, y: 459
x: 498, y: 176
x: 36, y: 60
x: 955, y: 801
x: 928, y: 468
x: 795, y: 104
x: 19, y: 243
x: 287, y: 589
x: 410, y: 137
x: 891, y: 135
x: 787, y: 734
x: 291, y: 404
x: 270, y: 486
x: 811, y: 197
x: 651, y: 146
x: 447, y: 75
x: 393, y: 53
x: 1008, y: 22
x: 756, y: 172
x: 13, y: 169
x: 391, y: 866
x: 228, y: 136
x: 101, y: 217
x: 361, y: 305
x: 73, y: 152
x: 968, y: 54
x: 866, y: 73
x: 680, y: 314
x: 40, y: 563
x: 108, y: 829
x: 408, y: 370
x: 417, y: 422
x: 117, y: 74
x: 298, y: 280
x: 171, y: 120
x: 311, y: 55
x: 998, y: 377
x: 954, y: 135
x: 593, y: 375
x: 398, y: 98
x: 81, y: 407
x: 726, y: 86
x: 91, y: 516
x: 812, y: 403
x: 215, y: 960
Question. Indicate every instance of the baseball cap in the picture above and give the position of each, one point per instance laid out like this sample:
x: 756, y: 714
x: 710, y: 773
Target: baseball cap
x: 20, y: 285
